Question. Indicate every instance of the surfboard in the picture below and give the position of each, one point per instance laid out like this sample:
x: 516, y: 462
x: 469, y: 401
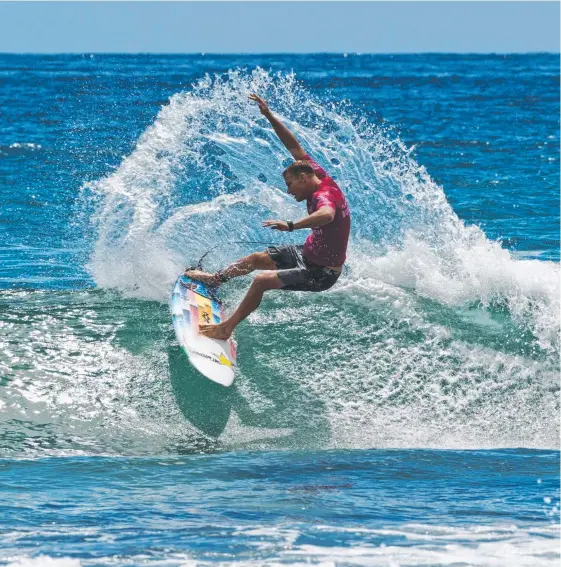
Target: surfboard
x: 193, y: 304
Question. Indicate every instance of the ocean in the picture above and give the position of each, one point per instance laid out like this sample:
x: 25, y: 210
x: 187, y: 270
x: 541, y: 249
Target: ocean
x: 407, y: 416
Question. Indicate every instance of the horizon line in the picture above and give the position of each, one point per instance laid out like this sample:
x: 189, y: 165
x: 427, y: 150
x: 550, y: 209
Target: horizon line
x: 228, y: 53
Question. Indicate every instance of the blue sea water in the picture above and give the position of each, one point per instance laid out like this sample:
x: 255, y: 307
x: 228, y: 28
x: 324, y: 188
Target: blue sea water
x: 408, y: 416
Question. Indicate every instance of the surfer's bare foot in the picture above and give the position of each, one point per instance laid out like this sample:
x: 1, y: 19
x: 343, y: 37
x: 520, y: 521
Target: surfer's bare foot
x: 220, y: 331
x: 204, y: 277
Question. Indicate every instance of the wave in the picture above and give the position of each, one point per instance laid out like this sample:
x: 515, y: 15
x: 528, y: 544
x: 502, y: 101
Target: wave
x: 208, y: 171
x: 435, y: 337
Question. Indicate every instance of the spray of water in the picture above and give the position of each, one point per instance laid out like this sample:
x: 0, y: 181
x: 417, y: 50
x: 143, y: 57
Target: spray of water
x: 448, y: 339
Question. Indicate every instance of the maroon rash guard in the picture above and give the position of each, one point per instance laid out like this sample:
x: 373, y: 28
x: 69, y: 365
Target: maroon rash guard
x: 327, y: 244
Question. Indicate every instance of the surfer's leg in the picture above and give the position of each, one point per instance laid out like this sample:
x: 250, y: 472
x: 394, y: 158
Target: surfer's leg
x: 244, y: 266
x: 241, y: 267
x: 250, y: 303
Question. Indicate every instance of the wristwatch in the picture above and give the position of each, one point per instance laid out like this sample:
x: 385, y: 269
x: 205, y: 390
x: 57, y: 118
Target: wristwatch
x: 290, y: 225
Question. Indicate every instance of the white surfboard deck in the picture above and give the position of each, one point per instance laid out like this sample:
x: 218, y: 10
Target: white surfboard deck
x: 193, y: 304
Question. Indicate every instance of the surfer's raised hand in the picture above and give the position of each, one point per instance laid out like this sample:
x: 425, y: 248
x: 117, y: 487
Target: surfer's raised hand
x: 276, y: 225
x: 284, y: 134
x: 265, y: 111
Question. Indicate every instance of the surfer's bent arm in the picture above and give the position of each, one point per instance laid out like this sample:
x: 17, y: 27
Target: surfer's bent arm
x: 284, y: 134
x: 320, y: 217
x: 323, y: 215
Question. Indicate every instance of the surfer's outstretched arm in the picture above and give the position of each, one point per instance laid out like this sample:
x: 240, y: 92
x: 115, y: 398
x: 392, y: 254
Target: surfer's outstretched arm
x: 284, y: 134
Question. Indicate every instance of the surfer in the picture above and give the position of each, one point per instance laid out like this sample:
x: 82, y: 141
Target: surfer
x: 314, y: 266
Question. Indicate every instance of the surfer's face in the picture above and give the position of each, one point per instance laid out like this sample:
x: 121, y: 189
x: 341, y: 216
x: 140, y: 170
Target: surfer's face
x: 298, y: 186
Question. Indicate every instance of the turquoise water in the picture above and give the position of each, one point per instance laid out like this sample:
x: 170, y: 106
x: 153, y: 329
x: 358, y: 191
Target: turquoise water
x: 408, y: 416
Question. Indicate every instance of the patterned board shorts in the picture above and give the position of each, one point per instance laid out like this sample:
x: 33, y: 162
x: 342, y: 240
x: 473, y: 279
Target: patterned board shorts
x: 297, y: 274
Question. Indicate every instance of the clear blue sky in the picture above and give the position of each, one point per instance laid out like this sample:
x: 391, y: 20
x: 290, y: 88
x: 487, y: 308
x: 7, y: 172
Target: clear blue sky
x: 262, y: 27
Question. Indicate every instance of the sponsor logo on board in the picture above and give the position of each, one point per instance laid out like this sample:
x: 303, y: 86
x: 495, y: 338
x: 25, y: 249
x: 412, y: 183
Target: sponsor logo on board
x: 220, y: 359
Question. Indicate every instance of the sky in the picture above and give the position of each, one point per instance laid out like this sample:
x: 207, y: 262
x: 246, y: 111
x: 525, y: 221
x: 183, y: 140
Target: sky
x: 279, y: 27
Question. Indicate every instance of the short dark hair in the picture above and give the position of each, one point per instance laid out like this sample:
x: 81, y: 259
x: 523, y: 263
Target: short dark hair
x: 298, y: 167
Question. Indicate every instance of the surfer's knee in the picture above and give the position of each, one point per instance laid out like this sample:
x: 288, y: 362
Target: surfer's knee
x: 266, y: 281
x: 262, y: 261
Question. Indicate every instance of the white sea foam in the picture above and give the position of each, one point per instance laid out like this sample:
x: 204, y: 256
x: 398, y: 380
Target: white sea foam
x: 422, y: 544
x: 449, y: 545
x: 25, y: 145
x: 395, y: 546
x: 45, y: 561
x: 477, y: 272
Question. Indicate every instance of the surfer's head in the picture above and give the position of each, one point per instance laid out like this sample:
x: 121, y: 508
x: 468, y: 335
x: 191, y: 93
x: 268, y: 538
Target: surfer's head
x: 301, y: 181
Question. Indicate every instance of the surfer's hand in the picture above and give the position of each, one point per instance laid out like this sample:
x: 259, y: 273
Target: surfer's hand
x: 276, y: 225
x: 262, y: 104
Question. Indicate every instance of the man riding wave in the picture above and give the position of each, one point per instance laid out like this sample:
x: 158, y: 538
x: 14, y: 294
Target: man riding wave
x: 314, y: 266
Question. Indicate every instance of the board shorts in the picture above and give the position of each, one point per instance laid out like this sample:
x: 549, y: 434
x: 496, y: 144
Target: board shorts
x: 297, y: 274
